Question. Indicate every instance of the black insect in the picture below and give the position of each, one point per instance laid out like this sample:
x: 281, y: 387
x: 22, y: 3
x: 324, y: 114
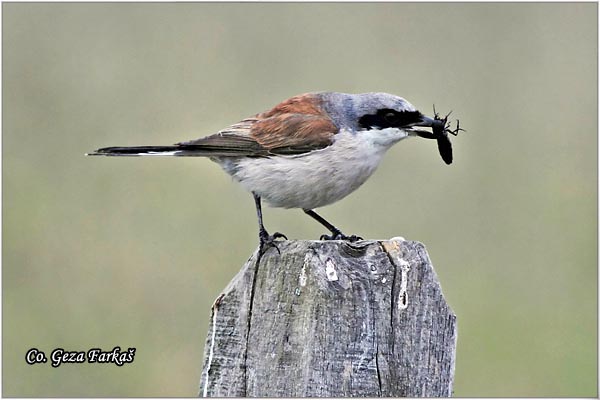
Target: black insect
x: 441, y: 128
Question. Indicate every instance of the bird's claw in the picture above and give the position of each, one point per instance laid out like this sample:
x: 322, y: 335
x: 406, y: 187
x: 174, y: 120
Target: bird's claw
x: 278, y: 235
x: 267, y: 241
x: 341, y: 236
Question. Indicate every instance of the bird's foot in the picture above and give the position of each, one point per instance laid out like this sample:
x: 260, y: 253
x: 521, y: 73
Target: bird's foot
x: 338, y: 235
x: 267, y: 240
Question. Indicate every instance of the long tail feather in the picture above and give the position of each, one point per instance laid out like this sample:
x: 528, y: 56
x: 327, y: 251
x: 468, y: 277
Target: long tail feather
x: 135, y: 151
x: 179, y: 150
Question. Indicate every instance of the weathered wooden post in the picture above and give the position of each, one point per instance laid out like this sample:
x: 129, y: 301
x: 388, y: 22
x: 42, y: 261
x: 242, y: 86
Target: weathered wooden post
x: 332, y: 319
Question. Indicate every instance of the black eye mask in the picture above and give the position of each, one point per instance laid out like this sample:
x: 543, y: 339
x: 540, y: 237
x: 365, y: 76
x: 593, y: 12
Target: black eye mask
x: 388, y: 118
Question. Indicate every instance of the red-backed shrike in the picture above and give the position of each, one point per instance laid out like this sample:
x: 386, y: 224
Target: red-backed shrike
x: 308, y: 151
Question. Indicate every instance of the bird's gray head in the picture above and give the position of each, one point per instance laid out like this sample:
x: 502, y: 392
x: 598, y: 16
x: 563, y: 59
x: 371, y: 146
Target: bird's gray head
x: 367, y: 111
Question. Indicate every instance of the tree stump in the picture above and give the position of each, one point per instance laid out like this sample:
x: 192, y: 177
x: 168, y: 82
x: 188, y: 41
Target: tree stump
x: 332, y: 319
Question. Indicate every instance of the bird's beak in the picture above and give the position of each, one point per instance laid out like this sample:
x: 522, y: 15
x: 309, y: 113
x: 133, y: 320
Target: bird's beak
x: 426, y: 122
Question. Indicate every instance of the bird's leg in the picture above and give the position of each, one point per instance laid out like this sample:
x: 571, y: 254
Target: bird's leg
x: 336, y: 234
x: 264, y: 238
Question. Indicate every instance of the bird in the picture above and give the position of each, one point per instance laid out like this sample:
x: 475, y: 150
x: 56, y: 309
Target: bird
x: 308, y: 151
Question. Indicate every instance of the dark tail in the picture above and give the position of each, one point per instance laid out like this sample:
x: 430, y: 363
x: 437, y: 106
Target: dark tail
x: 217, y: 145
x: 178, y: 150
x: 136, y: 151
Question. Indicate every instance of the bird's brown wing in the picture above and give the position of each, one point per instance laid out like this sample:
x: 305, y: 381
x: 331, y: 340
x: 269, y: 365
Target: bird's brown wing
x: 295, y: 126
x: 294, y: 133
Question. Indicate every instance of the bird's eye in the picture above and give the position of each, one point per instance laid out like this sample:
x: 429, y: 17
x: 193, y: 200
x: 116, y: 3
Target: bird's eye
x: 391, y: 117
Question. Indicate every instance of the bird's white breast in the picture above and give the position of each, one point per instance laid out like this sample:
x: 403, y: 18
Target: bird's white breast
x: 314, y: 179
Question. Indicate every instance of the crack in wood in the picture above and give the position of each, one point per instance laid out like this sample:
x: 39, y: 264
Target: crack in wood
x: 249, y: 322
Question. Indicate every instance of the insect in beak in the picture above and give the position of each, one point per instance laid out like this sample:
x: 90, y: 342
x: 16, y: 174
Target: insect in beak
x: 440, y: 129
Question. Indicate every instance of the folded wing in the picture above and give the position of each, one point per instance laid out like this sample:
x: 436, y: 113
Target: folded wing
x: 295, y: 126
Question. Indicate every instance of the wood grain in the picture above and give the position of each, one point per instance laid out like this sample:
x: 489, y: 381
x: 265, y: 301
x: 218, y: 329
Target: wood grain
x: 331, y: 319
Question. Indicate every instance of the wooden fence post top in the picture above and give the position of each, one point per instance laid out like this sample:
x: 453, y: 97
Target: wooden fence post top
x: 331, y: 319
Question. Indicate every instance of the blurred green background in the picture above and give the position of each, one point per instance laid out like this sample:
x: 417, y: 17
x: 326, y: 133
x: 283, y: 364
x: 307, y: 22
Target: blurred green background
x: 131, y: 252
